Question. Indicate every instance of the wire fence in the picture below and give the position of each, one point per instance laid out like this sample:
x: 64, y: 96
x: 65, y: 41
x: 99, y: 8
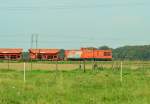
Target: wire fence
x: 75, y: 65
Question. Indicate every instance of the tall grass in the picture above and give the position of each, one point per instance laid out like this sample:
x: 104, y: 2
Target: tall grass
x: 75, y: 87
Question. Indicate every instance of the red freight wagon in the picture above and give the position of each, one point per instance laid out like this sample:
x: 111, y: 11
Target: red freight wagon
x: 44, y: 54
x: 10, y: 53
x: 88, y: 54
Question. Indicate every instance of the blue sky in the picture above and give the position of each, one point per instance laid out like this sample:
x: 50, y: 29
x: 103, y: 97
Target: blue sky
x: 74, y: 23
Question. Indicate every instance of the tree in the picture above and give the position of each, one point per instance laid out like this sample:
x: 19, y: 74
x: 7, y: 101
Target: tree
x: 104, y: 47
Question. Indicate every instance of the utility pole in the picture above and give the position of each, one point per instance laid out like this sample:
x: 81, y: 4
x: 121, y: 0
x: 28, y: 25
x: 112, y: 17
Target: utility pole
x: 32, y: 36
x: 34, y: 44
x: 36, y: 40
x: 32, y: 39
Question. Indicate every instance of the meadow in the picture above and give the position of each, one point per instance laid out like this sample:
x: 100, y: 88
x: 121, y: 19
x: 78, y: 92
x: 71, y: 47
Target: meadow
x: 45, y: 85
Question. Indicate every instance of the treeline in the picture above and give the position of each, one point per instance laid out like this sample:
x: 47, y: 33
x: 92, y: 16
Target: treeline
x: 132, y: 53
x: 141, y: 52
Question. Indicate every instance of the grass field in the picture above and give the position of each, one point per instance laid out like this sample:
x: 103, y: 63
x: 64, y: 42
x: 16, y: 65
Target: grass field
x: 76, y: 87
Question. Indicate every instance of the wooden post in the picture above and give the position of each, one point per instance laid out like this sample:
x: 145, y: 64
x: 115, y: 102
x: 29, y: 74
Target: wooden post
x: 84, y: 65
x: 113, y: 65
x: 121, y: 79
x: 80, y: 65
x: 143, y: 66
x: 24, y: 70
x: 93, y: 62
x: 8, y: 62
x: 56, y: 65
x: 31, y: 63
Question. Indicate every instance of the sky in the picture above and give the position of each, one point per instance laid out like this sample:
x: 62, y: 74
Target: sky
x: 74, y: 23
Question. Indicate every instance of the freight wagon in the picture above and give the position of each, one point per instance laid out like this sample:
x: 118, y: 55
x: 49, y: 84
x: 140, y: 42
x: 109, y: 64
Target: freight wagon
x: 44, y: 54
x: 10, y: 53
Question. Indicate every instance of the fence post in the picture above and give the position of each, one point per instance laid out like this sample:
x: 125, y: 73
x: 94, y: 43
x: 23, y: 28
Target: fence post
x: 31, y: 64
x: 121, y: 72
x: 56, y: 65
x: 8, y: 62
x: 24, y: 75
x: 84, y: 65
x: 80, y: 66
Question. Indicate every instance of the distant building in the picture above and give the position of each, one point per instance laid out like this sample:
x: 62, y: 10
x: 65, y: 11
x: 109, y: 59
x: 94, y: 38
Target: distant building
x: 44, y: 54
x: 10, y: 53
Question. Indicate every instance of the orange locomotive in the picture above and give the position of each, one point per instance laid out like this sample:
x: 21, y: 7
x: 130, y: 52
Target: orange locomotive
x: 88, y: 54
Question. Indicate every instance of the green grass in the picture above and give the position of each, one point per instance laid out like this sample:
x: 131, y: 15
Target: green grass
x: 75, y: 87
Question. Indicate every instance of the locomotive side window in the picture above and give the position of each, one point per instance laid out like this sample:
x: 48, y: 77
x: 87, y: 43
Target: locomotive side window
x: 107, y: 53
